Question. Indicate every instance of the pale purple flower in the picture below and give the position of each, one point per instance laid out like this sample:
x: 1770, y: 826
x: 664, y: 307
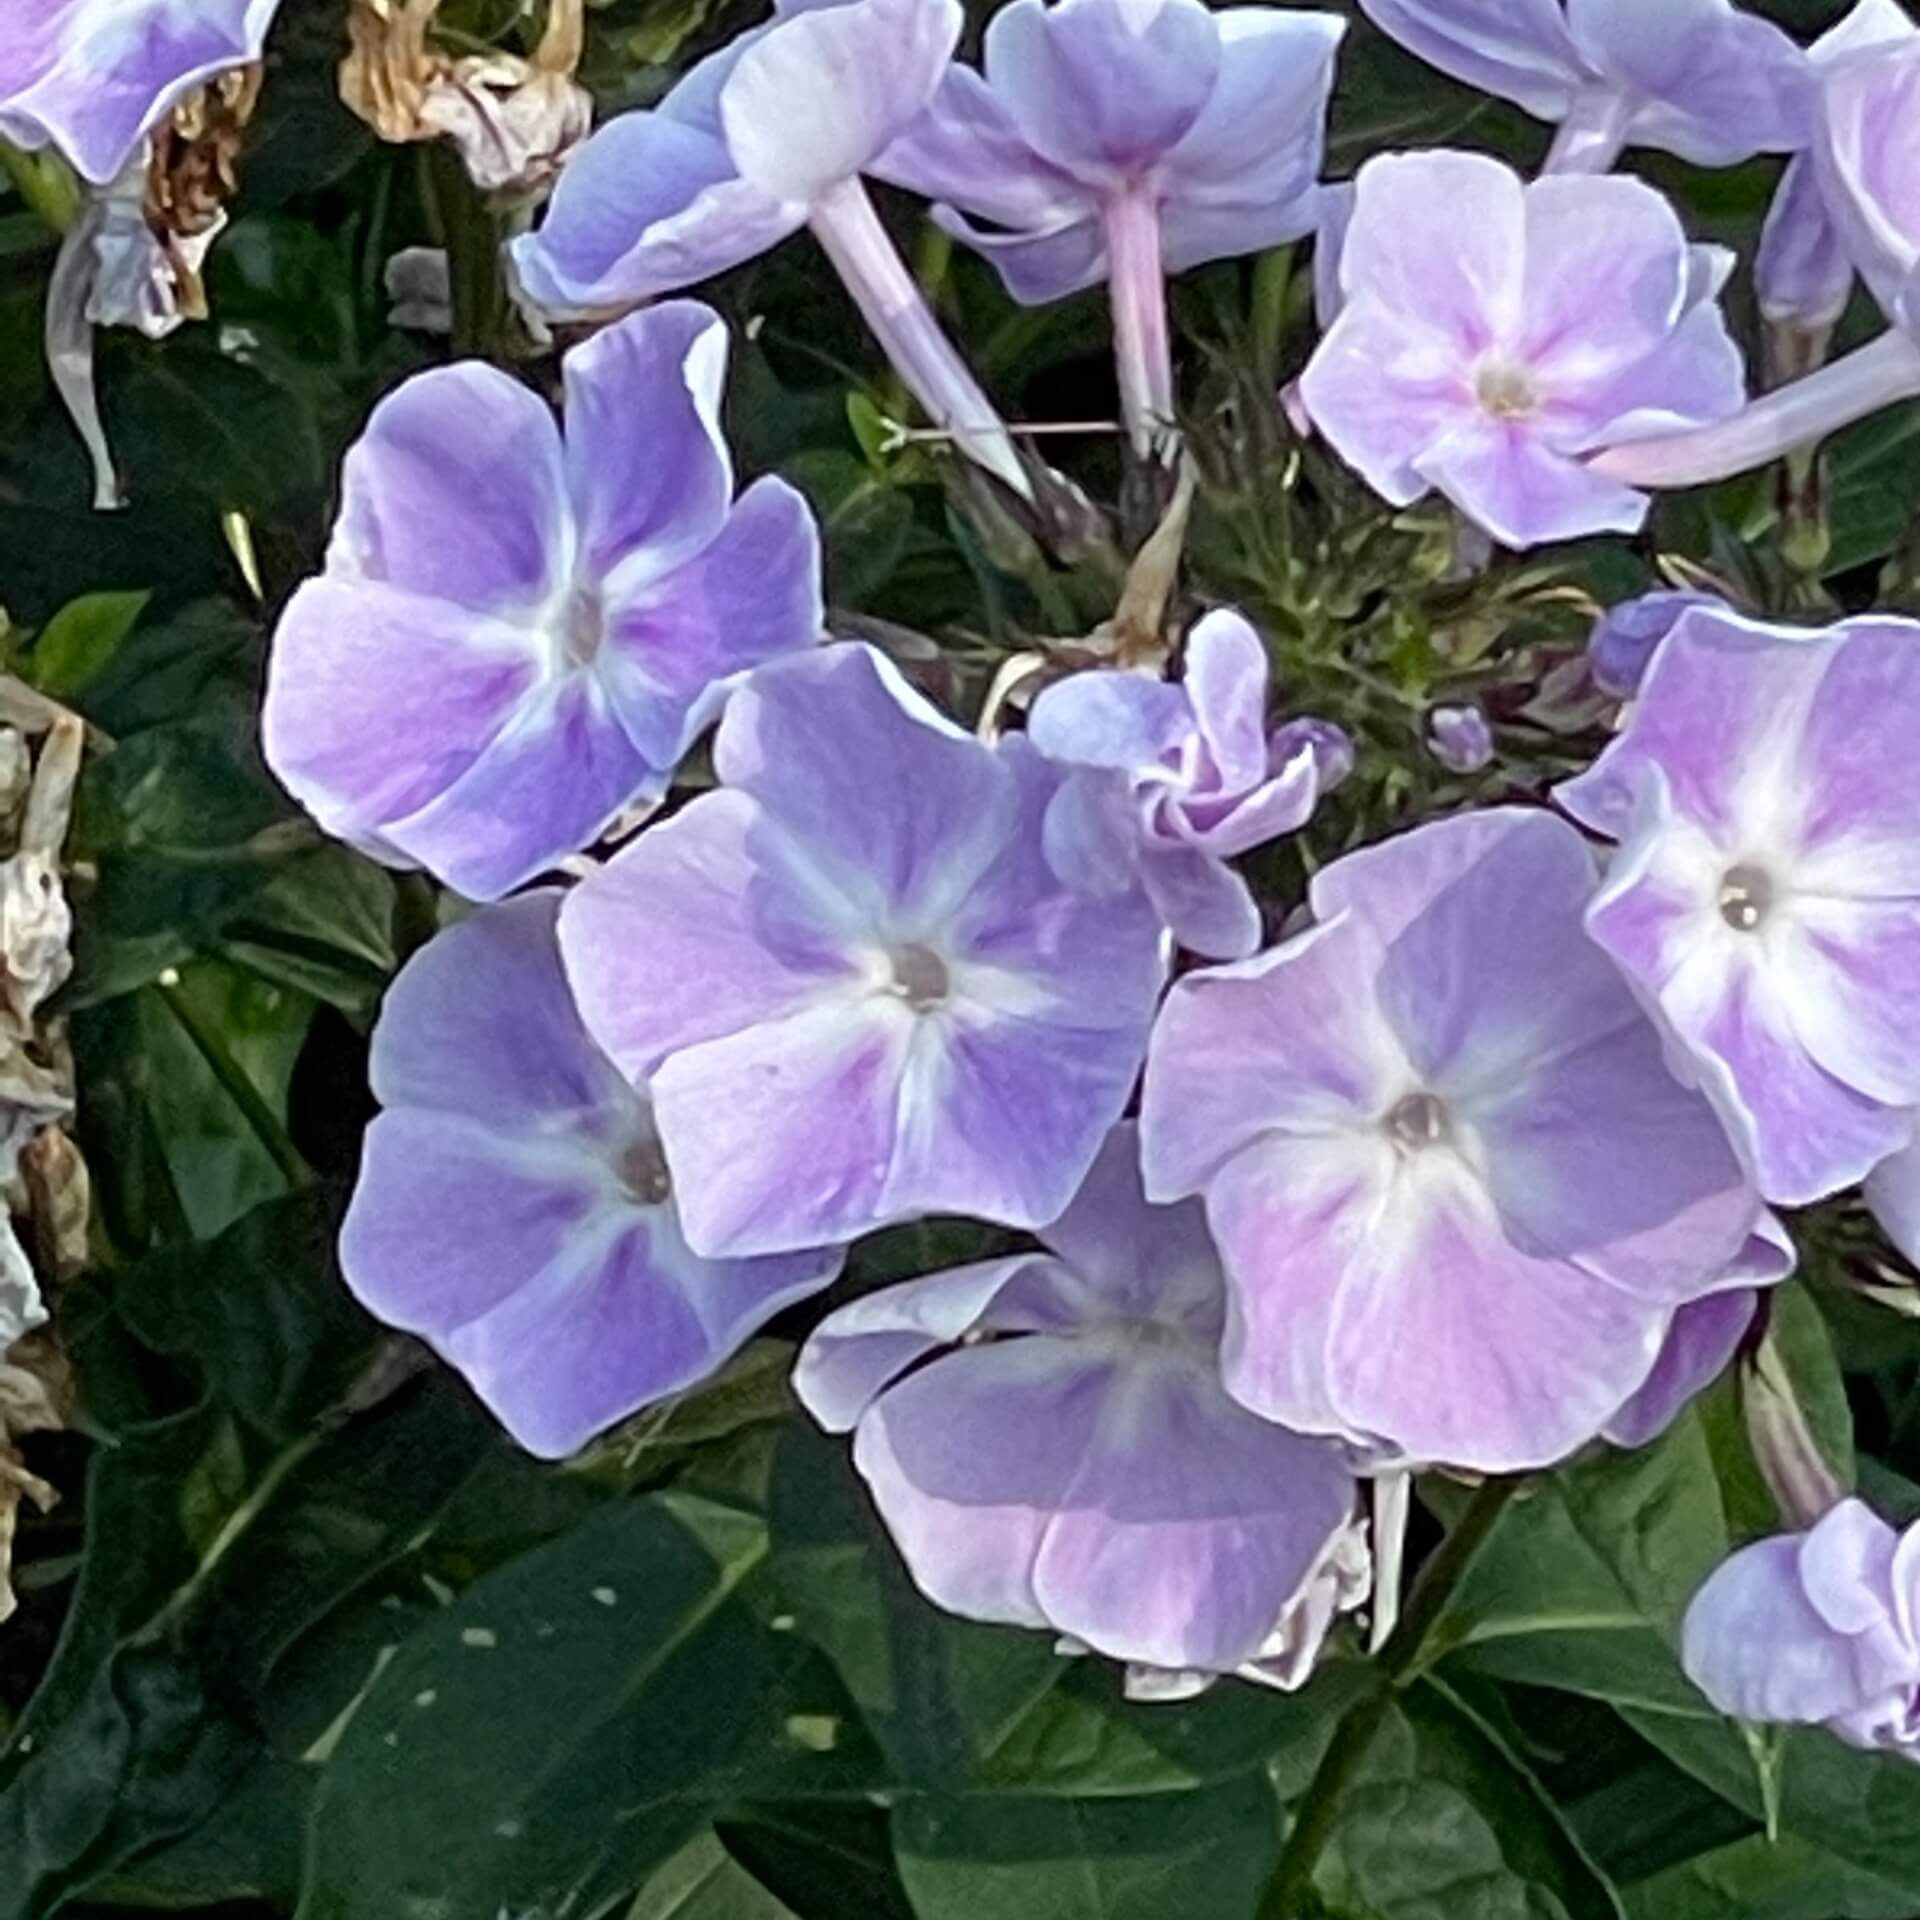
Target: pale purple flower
x: 1893, y: 1194
x: 1122, y: 140
x: 1047, y: 1440
x: 94, y: 77
x: 1173, y: 781
x: 858, y: 990
x: 1816, y: 1628
x: 1494, y: 335
x: 1460, y: 739
x: 760, y: 139
x: 1766, y: 891
x: 1627, y: 636
x: 517, y: 637
x: 1698, y: 78
x: 1399, y: 1119
x: 513, y: 1207
x: 1863, y: 160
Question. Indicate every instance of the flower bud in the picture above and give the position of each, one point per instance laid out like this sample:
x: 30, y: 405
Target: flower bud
x: 1330, y: 744
x: 1460, y: 738
x: 1803, y: 1486
x: 1624, y: 643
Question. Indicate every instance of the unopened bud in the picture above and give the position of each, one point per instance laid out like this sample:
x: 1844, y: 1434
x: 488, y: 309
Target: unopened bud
x: 1803, y: 1485
x: 1460, y: 738
x: 1330, y: 745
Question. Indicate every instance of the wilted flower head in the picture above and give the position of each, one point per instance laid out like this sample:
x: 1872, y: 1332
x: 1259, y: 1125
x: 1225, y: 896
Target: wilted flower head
x: 858, y: 990
x: 94, y: 77
x: 513, y: 1207
x: 1495, y: 334
x: 1176, y: 780
x: 1627, y: 636
x: 1396, y: 1118
x: 1698, y: 78
x: 1047, y: 1439
x: 1766, y: 797
x: 1820, y: 1627
x: 516, y: 638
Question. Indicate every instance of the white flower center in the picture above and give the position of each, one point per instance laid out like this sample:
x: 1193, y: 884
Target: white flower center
x: 1506, y: 390
x: 919, y: 976
x: 1417, y: 1122
x: 1747, y: 897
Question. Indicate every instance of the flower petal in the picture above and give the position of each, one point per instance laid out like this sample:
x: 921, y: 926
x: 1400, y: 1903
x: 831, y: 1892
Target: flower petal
x: 1893, y: 1195
x: 1207, y: 907
x: 1518, y: 49
x: 1524, y: 493
x: 1105, y: 718
x: 1701, y: 1338
x: 1226, y: 680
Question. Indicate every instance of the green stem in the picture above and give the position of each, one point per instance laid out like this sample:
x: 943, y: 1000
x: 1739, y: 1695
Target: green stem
x: 1272, y: 285
x: 266, y: 1126
x: 472, y: 234
x: 1401, y: 1662
x: 45, y: 183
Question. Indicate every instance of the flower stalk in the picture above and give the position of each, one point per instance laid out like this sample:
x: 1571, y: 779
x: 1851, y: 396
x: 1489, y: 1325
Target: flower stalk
x: 1137, y: 286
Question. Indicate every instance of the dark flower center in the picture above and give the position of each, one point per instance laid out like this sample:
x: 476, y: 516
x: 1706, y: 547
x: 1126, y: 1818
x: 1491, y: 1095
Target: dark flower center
x: 1506, y: 391
x: 920, y: 976
x: 1746, y: 898
x: 1418, y: 1121
x: 643, y: 1171
x: 586, y: 626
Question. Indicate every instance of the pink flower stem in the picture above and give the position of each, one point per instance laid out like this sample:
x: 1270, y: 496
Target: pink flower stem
x: 1859, y: 383
x: 1137, y: 288
x: 1592, y: 135
x: 869, y: 264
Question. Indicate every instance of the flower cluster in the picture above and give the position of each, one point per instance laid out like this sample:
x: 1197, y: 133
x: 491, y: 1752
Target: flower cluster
x: 1463, y: 1155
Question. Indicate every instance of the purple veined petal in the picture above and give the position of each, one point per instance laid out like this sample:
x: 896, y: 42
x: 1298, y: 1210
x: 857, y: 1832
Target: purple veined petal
x: 647, y: 467
x: 1232, y: 1060
x: 1607, y: 277
x: 1849, y: 970
x: 537, y: 1064
x: 378, y: 700
x: 1893, y: 1196
x: 878, y: 61
x: 1802, y: 275
x: 1865, y: 163
x: 1753, y: 1644
x: 675, y: 646
x: 1518, y: 49
x: 1522, y: 492
x: 1713, y: 85
x: 1468, y: 290
x: 1041, y: 267
x: 549, y: 783
x: 1283, y: 804
x: 701, y: 927
x: 1846, y: 1567
x: 621, y: 1321
x: 1436, y: 1278
x: 647, y: 206
x: 1695, y: 378
x: 464, y: 447
x: 1090, y: 835
x: 964, y: 149
x: 93, y: 77
x: 1258, y: 141
x: 1193, y: 232
x: 1383, y: 389
x: 1225, y: 675
x: 1206, y: 906
x: 861, y: 1349
x: 1191, y: 1527
x: 1110, y: 718
x: 1623, y: 643
x: 1103, y: 88
x: 1702, y: 1338
x: 1872, y: 23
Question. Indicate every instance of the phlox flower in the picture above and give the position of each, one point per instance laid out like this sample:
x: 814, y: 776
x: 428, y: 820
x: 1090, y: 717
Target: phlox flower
x: 1459, y: 1194
x: 1494, y: 335
x: 1123, y: 139
x: 1766, y: 892
x: 735, y: 159
x: 1176, y: 780
x: 1819, y: 1627
x: 1698, y: 78
x: 1048, y: 1442
x: 857, y: 990
x: 513, y: 1207
x: 516, y: 637
x: 93, y: 78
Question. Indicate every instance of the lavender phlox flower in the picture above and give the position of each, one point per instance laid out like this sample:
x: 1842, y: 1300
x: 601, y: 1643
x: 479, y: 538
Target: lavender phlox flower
x: 1766, y: 891
x: 858, y: 990
x: 1172, y: 781
x: 1460, y: 738
x: 1863, y: 159
x: 1396, y: 1118
x: 513, y: 1207
x: 1625, y: 638
x: 1123, y: 140
x: 1048, y: 1442
x: 1494, y: 336
x: 517, y: 637
x: 728, y: 165
x: 1699, y: 78
x: 1820, y: 1627
x: 93, y: 78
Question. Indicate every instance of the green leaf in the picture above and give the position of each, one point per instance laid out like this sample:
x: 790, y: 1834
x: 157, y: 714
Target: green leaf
x: 560, y: 1729
x: 1009, y: 1858
x: 704, y: 1882
x: 1758, y: 1879
x: 826, y: 1861
x: 81, y: 639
